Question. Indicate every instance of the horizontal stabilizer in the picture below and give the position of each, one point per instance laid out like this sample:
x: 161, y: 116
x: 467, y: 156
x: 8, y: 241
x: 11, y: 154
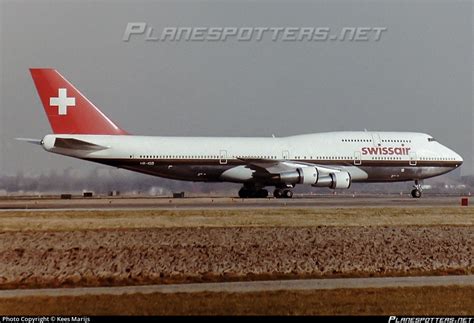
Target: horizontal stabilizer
x: 31, y: 141
x: 71, y: 143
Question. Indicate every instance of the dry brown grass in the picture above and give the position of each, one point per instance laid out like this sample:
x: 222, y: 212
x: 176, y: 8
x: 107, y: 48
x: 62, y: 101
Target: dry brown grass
x: 277, y: 217
x: 384, y: 301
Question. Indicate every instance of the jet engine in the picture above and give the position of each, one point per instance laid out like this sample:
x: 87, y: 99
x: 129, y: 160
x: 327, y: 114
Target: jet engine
x: 334, y: 180
x: 302, y: 175
x: 311, y: 176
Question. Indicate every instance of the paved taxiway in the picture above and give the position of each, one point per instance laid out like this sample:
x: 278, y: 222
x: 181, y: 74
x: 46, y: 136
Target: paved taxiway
x: 252, y: 286
x: 125, y: 203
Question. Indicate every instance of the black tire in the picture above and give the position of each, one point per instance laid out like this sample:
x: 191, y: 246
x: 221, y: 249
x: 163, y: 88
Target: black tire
x: 277, y: 193
x: 416, y: 193
x: 262, y: 193
x: 243, y: 193
x: 288, y: 194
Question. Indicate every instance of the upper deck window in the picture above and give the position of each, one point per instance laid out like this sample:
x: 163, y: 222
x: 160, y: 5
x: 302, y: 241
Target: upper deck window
x: 431, y: 139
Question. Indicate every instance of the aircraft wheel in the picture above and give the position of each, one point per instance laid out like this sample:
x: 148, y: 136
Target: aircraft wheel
x: 244, y: 193
x: 277, y: 193
x: 262, y: 193
x: 416, y: 193
x: 288, y: 194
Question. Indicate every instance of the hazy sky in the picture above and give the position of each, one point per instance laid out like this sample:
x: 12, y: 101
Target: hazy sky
x: 417, y: 77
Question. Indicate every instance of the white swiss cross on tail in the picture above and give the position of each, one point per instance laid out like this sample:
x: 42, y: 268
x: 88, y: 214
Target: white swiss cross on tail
x: 62, y: 102
x: 67, y: 109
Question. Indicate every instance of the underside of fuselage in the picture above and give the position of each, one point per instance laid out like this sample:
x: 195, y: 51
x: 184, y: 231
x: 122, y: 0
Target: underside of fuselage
x: 212, y: 170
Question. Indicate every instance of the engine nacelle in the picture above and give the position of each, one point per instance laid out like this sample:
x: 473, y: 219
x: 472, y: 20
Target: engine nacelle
x: 308, y: 175
x: 302, y: 175
x: 311, y: 176
x: 335, y: 180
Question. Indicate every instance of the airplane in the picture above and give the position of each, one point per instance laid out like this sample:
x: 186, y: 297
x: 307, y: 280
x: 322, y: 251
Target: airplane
x: 333, y: 159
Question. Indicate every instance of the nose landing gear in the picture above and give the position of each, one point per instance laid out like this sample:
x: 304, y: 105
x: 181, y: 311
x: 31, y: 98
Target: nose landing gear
x: 417, y: 191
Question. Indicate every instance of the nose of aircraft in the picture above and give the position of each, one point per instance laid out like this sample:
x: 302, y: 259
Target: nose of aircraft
x: 456, y: 157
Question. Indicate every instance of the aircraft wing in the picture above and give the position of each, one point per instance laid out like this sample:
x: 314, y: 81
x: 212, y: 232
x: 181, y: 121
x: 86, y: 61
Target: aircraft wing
x: 291, y: 172
x: 272, y: 166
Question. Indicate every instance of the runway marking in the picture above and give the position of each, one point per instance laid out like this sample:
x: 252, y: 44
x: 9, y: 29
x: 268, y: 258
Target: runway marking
x: 252, y: 286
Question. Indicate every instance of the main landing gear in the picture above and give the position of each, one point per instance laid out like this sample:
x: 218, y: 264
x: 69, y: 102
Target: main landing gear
x: 252, y: 192
x: 417, y: 191
x: 283, y: 193
x: 255, y: 192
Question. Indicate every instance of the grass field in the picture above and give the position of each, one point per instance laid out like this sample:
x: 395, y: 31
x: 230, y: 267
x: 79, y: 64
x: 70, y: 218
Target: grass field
x: 388, y: 301
x: 277, y: 217
x: 84, y: 244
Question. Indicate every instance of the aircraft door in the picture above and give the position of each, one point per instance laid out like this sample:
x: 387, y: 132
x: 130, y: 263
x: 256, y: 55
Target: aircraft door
x: 376, y: 139
x: 357, y: 158
x: 412, y: 158
x: 223, y: 157
x: 285, y: 154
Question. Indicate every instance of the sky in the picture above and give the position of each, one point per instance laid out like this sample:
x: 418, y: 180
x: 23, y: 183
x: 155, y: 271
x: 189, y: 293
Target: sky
x: 417, y: 77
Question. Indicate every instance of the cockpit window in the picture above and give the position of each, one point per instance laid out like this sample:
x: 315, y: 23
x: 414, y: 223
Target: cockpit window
x: 431, y: 139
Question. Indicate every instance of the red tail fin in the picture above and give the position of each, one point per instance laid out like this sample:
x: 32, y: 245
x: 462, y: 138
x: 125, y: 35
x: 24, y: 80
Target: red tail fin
x: 68, y: 111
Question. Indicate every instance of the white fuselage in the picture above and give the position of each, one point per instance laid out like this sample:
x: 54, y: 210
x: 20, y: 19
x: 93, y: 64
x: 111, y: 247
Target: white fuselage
x: 367, y: 156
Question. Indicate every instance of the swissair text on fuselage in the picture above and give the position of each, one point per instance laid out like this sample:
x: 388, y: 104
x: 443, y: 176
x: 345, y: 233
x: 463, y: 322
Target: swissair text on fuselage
x: 385, y: 150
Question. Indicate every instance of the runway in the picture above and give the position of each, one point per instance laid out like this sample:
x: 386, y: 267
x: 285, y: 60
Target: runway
x: 316, y: 201
x: 251, y: 286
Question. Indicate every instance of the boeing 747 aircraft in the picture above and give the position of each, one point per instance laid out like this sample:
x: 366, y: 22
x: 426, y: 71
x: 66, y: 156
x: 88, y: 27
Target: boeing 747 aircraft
x: 333, y: 159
